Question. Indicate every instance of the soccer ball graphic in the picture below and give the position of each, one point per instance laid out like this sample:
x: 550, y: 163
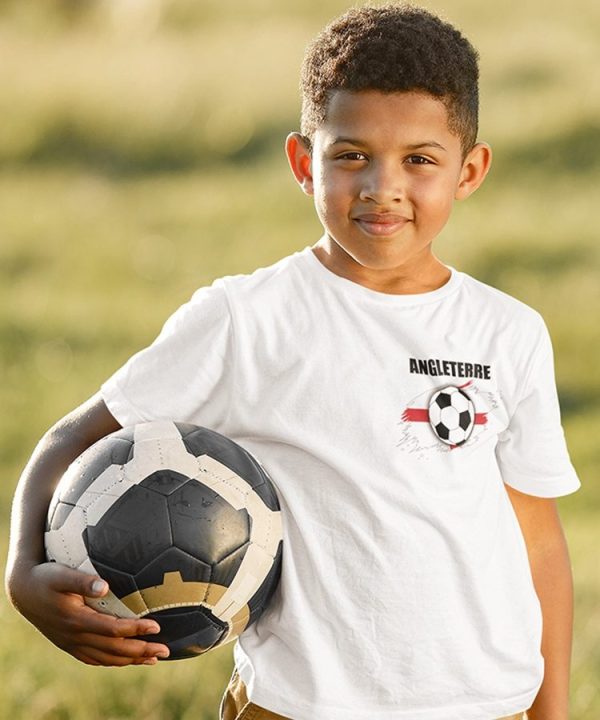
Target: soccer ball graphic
x: 452, y: 415
x: 183, y: 524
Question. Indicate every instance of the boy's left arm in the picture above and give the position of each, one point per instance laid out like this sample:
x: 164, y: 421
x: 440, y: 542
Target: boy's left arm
x: 553, y: 580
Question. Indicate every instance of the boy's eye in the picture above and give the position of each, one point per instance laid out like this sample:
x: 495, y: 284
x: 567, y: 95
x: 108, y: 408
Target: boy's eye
x: 353, y: 155
x: 419, y: 160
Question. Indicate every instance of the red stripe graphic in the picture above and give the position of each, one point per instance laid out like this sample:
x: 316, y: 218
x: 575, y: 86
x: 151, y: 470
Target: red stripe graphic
x: 416, y: 415
x: 422, y: 415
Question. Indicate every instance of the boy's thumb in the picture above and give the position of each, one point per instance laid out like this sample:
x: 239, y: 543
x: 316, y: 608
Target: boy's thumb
x: 66, y: 579
x: 97, y: 588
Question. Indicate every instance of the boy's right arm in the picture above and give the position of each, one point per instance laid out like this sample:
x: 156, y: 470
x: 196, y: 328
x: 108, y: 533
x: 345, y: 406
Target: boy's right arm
x: 50, y: 595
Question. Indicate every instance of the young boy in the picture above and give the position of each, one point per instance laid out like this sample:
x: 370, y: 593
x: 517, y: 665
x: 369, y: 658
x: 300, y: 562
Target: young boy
x: 406, y: 412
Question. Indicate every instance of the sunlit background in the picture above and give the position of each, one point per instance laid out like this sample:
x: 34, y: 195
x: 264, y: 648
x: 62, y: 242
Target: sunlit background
x: 141, y: 152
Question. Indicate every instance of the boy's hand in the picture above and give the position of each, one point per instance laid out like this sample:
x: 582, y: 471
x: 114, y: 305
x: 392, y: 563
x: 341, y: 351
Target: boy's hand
x: 51, y: 597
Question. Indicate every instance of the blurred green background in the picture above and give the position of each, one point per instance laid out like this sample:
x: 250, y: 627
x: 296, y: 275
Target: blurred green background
x: 141, y: 152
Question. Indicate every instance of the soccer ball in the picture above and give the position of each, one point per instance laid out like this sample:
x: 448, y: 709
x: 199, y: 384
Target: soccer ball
x: 452, y: 415
x: 183, y: 524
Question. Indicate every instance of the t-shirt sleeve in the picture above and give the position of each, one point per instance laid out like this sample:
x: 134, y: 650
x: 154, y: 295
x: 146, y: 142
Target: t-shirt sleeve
x: 185, y: 374
x: 532, y: 452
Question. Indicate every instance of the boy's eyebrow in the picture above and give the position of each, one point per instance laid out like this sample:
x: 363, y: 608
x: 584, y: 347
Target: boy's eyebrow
x: 350, y: 141
x: 415, y: 146
x: 429, y: 143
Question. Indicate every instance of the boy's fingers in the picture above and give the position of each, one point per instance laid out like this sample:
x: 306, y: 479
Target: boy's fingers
x: 102, y: 638
x: 123, y: 647
x: 66, y: 580
x: 95, y: 656
x: 110, y: 626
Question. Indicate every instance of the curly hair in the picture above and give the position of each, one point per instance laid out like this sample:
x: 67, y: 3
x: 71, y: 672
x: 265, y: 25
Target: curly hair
x: 392, y: 48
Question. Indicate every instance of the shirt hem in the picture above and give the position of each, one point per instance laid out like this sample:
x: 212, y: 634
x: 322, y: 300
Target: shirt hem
x: 476, y: 711
x: 543, y: 488
x: 118, y: 404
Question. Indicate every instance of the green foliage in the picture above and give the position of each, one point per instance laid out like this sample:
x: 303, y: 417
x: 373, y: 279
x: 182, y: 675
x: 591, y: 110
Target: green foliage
x: 141, y: 152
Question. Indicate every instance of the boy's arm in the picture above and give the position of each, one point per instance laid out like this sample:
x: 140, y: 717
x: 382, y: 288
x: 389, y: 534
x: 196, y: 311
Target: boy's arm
x: 50, y: 595
x: 552, y: 577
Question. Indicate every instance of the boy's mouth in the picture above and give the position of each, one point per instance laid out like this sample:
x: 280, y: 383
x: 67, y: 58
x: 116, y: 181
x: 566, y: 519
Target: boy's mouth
x: 381, y: 224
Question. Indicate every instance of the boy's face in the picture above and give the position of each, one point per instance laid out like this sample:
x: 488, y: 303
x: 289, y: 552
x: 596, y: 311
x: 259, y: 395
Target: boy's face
x: 384, y: 172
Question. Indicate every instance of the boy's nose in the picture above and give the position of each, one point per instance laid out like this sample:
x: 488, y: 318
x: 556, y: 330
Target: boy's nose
x: 382, y: 185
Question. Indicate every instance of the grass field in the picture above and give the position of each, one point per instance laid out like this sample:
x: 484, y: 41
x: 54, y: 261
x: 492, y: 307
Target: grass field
x: 141, y: 157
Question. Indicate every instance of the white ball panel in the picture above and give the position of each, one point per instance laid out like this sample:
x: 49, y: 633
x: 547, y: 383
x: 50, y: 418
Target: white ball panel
x: 223, y: 480
x: 250, y: 576
x: 460, y: 402
x: 66, y: 545
x: 449, y: 417
x: 98, y: 505
x: 109, y: 482
x: 457, y: 435
x: 434, y: 413
x: 150, y: 455
x: 111, y: 605
x: 156, y: 430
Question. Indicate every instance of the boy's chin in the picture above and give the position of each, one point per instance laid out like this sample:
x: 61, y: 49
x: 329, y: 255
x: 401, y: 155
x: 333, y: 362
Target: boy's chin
x: 378, y: 259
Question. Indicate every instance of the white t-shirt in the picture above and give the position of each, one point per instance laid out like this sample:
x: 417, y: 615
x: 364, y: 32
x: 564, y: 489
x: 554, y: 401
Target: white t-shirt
x: 406, y: 592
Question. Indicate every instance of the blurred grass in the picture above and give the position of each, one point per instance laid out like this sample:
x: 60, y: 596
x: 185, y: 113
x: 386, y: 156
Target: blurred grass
x: 141, y: 156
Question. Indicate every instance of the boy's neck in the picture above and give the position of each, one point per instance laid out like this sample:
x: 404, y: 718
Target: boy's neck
x: 421, y: 274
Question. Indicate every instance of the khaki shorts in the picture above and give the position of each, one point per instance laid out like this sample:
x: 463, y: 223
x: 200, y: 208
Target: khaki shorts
x: 235, y: 705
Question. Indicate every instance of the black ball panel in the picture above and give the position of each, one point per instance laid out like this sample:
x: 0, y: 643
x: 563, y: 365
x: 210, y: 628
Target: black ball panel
x: 164, y: 482
x: 265, y: 490
x: 187, y: 631
x: 173, y: 560
x: 464, y: 419
x: 225, y: 570
x: 202, y: 441
x: 443, y: 400
x: 442, y: 431
x: 132, y: 532
x: 204, y: 524
x: 120, y: 584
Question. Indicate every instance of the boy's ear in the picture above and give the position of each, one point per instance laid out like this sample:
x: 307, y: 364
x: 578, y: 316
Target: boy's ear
x: 475, y: 168
x: 300, y: 159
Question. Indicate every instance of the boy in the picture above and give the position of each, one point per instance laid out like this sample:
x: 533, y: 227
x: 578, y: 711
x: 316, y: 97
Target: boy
x: 421, y: 555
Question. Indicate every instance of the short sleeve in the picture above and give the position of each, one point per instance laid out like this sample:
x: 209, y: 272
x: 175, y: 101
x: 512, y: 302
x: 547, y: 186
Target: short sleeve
x: 184, y: 375
x: 532, y: 452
